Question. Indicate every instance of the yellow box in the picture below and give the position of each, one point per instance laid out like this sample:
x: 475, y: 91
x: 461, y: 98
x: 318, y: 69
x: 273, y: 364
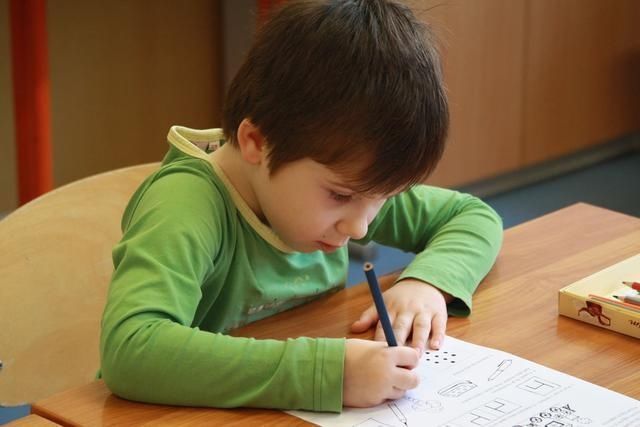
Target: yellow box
x: 590, y: 299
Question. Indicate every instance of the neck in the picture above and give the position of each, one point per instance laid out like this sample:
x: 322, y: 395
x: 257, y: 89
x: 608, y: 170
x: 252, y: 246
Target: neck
x: 239, y: 173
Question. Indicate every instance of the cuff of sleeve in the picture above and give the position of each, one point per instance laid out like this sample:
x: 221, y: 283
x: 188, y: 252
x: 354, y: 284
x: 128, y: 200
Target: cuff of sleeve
x: 460, y: 306
x: 329, y: 374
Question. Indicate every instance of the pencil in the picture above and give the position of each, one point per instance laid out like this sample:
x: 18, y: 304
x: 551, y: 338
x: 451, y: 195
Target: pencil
x: 379, y: 302
x: 629, y: 299
x: 632, y: 285
x: 615, y: 302
x: 398, y: 413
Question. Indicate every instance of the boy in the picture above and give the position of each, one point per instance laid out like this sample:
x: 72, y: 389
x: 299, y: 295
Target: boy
x: 336, y: 114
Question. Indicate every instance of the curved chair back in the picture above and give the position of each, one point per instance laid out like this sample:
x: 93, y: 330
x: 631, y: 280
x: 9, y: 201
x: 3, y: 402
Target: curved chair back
x: 55, y: 266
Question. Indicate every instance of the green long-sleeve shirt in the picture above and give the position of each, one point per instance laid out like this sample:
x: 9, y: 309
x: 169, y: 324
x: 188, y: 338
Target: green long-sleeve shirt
x: 195, y: 262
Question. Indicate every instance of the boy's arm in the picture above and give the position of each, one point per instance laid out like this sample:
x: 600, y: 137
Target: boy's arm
x: 148, y: 348
x: 456, y: 237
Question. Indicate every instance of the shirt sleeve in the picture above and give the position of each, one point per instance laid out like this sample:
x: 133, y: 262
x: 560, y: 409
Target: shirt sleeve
x: 151, y: 352
x: 456, y: 237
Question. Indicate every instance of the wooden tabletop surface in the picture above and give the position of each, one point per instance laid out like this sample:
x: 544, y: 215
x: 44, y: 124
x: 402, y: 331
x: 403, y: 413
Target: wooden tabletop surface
x: 514, y: 310
x: 32, y: 421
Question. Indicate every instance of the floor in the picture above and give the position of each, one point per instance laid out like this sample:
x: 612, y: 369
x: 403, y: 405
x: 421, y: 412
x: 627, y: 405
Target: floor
x: 613, y: 184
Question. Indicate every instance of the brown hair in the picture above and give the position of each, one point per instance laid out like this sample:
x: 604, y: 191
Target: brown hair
x: 351, y: 83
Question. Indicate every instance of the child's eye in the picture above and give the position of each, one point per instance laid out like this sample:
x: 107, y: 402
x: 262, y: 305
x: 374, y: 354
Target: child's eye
x: 340, y: 197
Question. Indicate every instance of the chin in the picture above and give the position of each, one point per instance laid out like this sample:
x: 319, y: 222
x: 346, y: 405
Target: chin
x: 306, y: 248
x: 299, y: 246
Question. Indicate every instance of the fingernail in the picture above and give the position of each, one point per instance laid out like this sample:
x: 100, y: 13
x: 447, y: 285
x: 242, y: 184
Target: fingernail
x: 435, y: 344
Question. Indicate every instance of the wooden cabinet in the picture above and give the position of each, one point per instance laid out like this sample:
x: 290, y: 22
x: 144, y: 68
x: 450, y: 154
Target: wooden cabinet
x: 528, y: 80
x: 581, y: 75
x: 531, y: 80
x: 481, y: 45
x: 121, y: 73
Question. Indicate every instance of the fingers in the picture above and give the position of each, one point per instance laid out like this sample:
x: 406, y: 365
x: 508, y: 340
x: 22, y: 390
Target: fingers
x: 374, y: 372
x: 423, y: 326
x: 419, y: 324
x: 379, y: 335
x: 402, y: 327
x: 421, y: 330
x: 406, y: 357
x: 366, y: 320
x: 419, y: 327
x: 406, y: 380
x: 438, y: 328
x: 397, y: 393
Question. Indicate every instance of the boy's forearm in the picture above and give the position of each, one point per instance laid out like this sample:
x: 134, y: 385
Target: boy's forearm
x: 158, y: 361
x: 460, y: 253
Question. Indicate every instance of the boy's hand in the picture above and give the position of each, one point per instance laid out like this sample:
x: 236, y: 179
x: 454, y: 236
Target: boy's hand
x: 415, y: 308
x: 374, y: 372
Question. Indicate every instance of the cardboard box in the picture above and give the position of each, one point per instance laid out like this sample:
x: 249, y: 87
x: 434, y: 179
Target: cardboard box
x: 591, y: 299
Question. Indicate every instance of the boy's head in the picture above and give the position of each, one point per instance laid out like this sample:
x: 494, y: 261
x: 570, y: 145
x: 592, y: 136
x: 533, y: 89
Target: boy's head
x: 354, y: 85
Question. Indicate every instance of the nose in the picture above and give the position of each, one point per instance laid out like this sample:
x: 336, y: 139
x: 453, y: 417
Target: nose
x: 355, y: 227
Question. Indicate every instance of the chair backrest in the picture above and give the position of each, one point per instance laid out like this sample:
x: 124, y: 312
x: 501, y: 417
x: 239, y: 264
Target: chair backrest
x: 55, y: 266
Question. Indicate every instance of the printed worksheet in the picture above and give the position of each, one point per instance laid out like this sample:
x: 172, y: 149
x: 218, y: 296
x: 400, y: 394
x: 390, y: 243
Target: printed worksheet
x: 467, y: 385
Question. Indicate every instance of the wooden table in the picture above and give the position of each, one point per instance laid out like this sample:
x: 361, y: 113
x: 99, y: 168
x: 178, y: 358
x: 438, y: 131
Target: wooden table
x: 515, y: 310
x: 32, y: 421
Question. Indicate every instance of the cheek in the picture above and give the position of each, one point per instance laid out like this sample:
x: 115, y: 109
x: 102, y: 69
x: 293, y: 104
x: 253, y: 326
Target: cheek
x: 300, y: 212
x: 295, y: 218
x: 373, y: 212
x: 311, y: 222
x: 372, y: 216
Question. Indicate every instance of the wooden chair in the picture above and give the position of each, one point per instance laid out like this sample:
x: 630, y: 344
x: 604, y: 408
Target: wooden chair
x: 55, y: 266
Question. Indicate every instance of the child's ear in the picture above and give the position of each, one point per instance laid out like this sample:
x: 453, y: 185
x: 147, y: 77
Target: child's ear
x: 251, y: 142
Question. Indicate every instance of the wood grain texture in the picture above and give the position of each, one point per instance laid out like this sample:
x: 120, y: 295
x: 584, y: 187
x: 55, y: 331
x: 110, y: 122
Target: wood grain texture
x: 8, y: 171
x: 122, y: 73
x: 532, y: 80
x: 32, y: 421
x: 94, y: 405
x: 56, y: 266
x: 515, y: 310
x: 482, y: 48
x: 581, y: 75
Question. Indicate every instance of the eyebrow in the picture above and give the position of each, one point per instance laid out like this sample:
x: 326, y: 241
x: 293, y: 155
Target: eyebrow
x: 344, y: 187
x: 341, y: 186
x: 353, y: 192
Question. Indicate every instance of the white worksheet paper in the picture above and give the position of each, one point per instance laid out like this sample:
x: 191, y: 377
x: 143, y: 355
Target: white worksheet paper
x: 467, y: 385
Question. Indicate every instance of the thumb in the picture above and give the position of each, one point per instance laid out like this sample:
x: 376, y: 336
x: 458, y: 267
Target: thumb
x: 367, y: 319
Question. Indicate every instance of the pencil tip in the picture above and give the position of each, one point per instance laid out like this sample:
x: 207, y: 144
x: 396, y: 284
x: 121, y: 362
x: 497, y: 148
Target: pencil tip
x: 617, y: 297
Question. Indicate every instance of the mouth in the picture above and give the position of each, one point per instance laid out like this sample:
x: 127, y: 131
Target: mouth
x: 326, y: 247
